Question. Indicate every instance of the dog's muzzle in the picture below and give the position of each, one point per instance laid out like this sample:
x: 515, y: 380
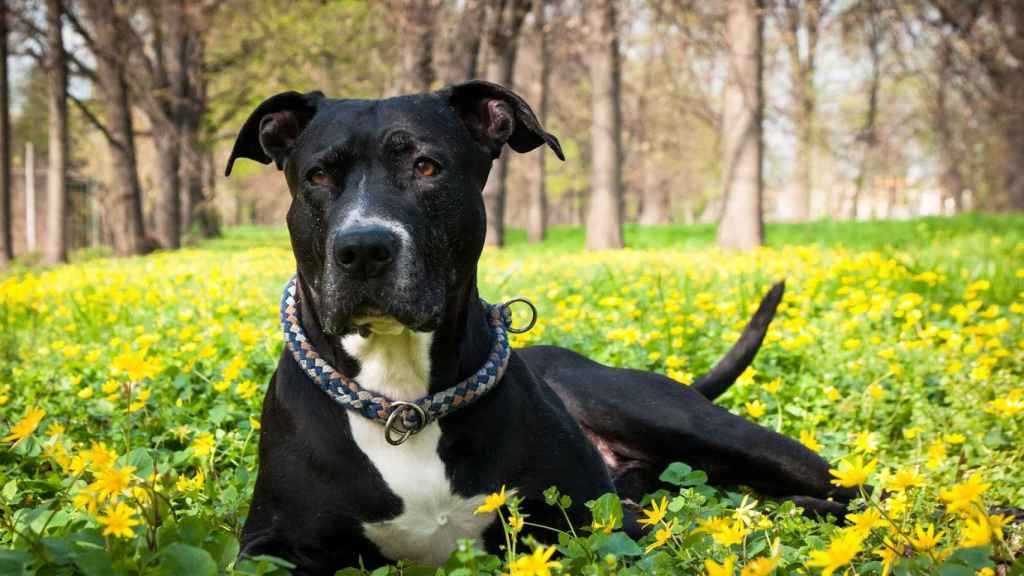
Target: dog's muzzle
x: 365, y: 252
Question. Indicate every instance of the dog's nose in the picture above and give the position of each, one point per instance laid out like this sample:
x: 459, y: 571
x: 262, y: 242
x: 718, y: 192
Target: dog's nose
x: 365, y: 252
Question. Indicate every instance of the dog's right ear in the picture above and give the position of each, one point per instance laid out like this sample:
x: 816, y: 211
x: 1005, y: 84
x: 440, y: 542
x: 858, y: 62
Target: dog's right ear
x: 273, y: 127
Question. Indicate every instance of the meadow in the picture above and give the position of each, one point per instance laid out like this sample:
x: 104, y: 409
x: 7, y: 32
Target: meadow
x: 130, y: 393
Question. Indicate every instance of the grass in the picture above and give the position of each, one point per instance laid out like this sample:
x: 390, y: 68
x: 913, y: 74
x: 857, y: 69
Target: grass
x: 898, y: 343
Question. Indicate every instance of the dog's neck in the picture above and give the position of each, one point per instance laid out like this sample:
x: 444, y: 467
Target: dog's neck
x: 411, y: 364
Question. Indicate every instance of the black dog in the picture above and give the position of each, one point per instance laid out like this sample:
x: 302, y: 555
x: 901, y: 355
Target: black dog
x: 387, y: 224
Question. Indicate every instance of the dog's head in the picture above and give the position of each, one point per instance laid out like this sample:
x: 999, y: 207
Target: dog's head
x: 387, y: 218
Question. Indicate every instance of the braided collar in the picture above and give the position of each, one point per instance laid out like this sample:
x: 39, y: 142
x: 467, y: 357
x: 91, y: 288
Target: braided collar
x: 400, y: 419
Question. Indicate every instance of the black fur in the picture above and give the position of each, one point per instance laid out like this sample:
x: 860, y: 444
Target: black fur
x: 556, y: 418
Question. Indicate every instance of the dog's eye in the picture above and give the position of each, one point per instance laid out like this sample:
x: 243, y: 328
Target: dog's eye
x: 426, y: 167
x: 318, y: 177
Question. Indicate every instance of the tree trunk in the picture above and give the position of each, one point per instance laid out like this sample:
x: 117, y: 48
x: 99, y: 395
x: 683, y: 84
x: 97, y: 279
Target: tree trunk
x: 801, y: 200
x: 656, y: 201
x: 604, y: 217
x: 125, y: 195
x: 654, y: 198
x: 502, y: 44
x: 951, y: 179
x: 418, y: 23
x: 868, y: 136
x: 742, y: 226
x: 198, y: 214
x: 192, y: 195
x: 55, y: 247
x: 536, y: 217
x: 167, y: 211
x: 802, y: 20
x: 463, y: 52
x: 6, y: 238
x: 1011, y: 96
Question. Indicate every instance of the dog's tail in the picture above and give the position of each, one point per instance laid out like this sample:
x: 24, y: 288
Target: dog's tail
x: 727, y: 370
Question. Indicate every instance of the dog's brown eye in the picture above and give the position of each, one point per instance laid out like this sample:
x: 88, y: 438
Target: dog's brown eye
x: 318, y: 178
x: 425, y: 167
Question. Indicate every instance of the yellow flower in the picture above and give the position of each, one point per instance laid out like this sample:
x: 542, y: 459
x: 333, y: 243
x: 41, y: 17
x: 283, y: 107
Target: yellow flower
x: 912, y: 432
x: 904, y: 479
x: 760, y: 567
x: 936, y: 453
x: 85, y: 500
x: 26, y: 426
x: 773, y: 386
x: 730, y: 534
x: 866, y: 442
x: 112, y: 481
x: 203, y: 445
x: 807, y: 439
x: 756, y: 409
x: 254, y: 423
x: 56, y: 452
x: 840, y: 552
x: 492, y: 502
x: 185, y: 484
x: 925, y: 538
x: 515, y: 522
x: 976, y: 532
x: 876, y: 391
x: 246, y: 389
x: 896, y: 506
x: 962, y: 495
x: 598, y: 526
x: 140, y: 401
x: 662, y: 536
x: 656, y: 513
x: 118, y: 521
x: 537, y: 564
x: 234, y: 368
x: 135, y: 365
x: 956, y: 438
x: 853, y: 472
x: 55, y: 429
x: 888, y: 554
x: 866, y: 520
x: 726, y: 568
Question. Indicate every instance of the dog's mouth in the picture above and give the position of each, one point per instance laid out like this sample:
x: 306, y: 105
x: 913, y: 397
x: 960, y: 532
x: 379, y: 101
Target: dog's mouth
x: 377, y: 324
x: 366, y: 320
x: 345, y: 308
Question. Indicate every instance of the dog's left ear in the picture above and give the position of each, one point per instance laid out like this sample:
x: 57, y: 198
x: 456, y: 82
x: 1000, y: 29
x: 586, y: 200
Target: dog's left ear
x: 273, y: 127
x: 496, y: 116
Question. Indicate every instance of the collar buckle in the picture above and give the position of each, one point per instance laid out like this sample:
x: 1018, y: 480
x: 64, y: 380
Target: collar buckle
x: 396, y: 422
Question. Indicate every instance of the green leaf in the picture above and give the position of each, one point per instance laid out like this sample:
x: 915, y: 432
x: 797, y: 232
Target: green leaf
x: 607, y: 509
x: 551, y: 495
x: 13, y: 562
x: 10, y: 491
x: 141, y: 460
x: 679, y: 474
x: 181, y: 558
x: 967, y: 561
x: 620, y: 545
x: 223, y: 548
x: 94, y: 562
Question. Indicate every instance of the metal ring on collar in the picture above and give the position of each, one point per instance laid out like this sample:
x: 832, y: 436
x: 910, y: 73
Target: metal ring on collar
x: 394, y: 423
x: 533, y: 315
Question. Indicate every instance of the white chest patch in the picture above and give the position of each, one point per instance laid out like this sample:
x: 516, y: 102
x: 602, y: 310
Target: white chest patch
x: 397, y: 365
